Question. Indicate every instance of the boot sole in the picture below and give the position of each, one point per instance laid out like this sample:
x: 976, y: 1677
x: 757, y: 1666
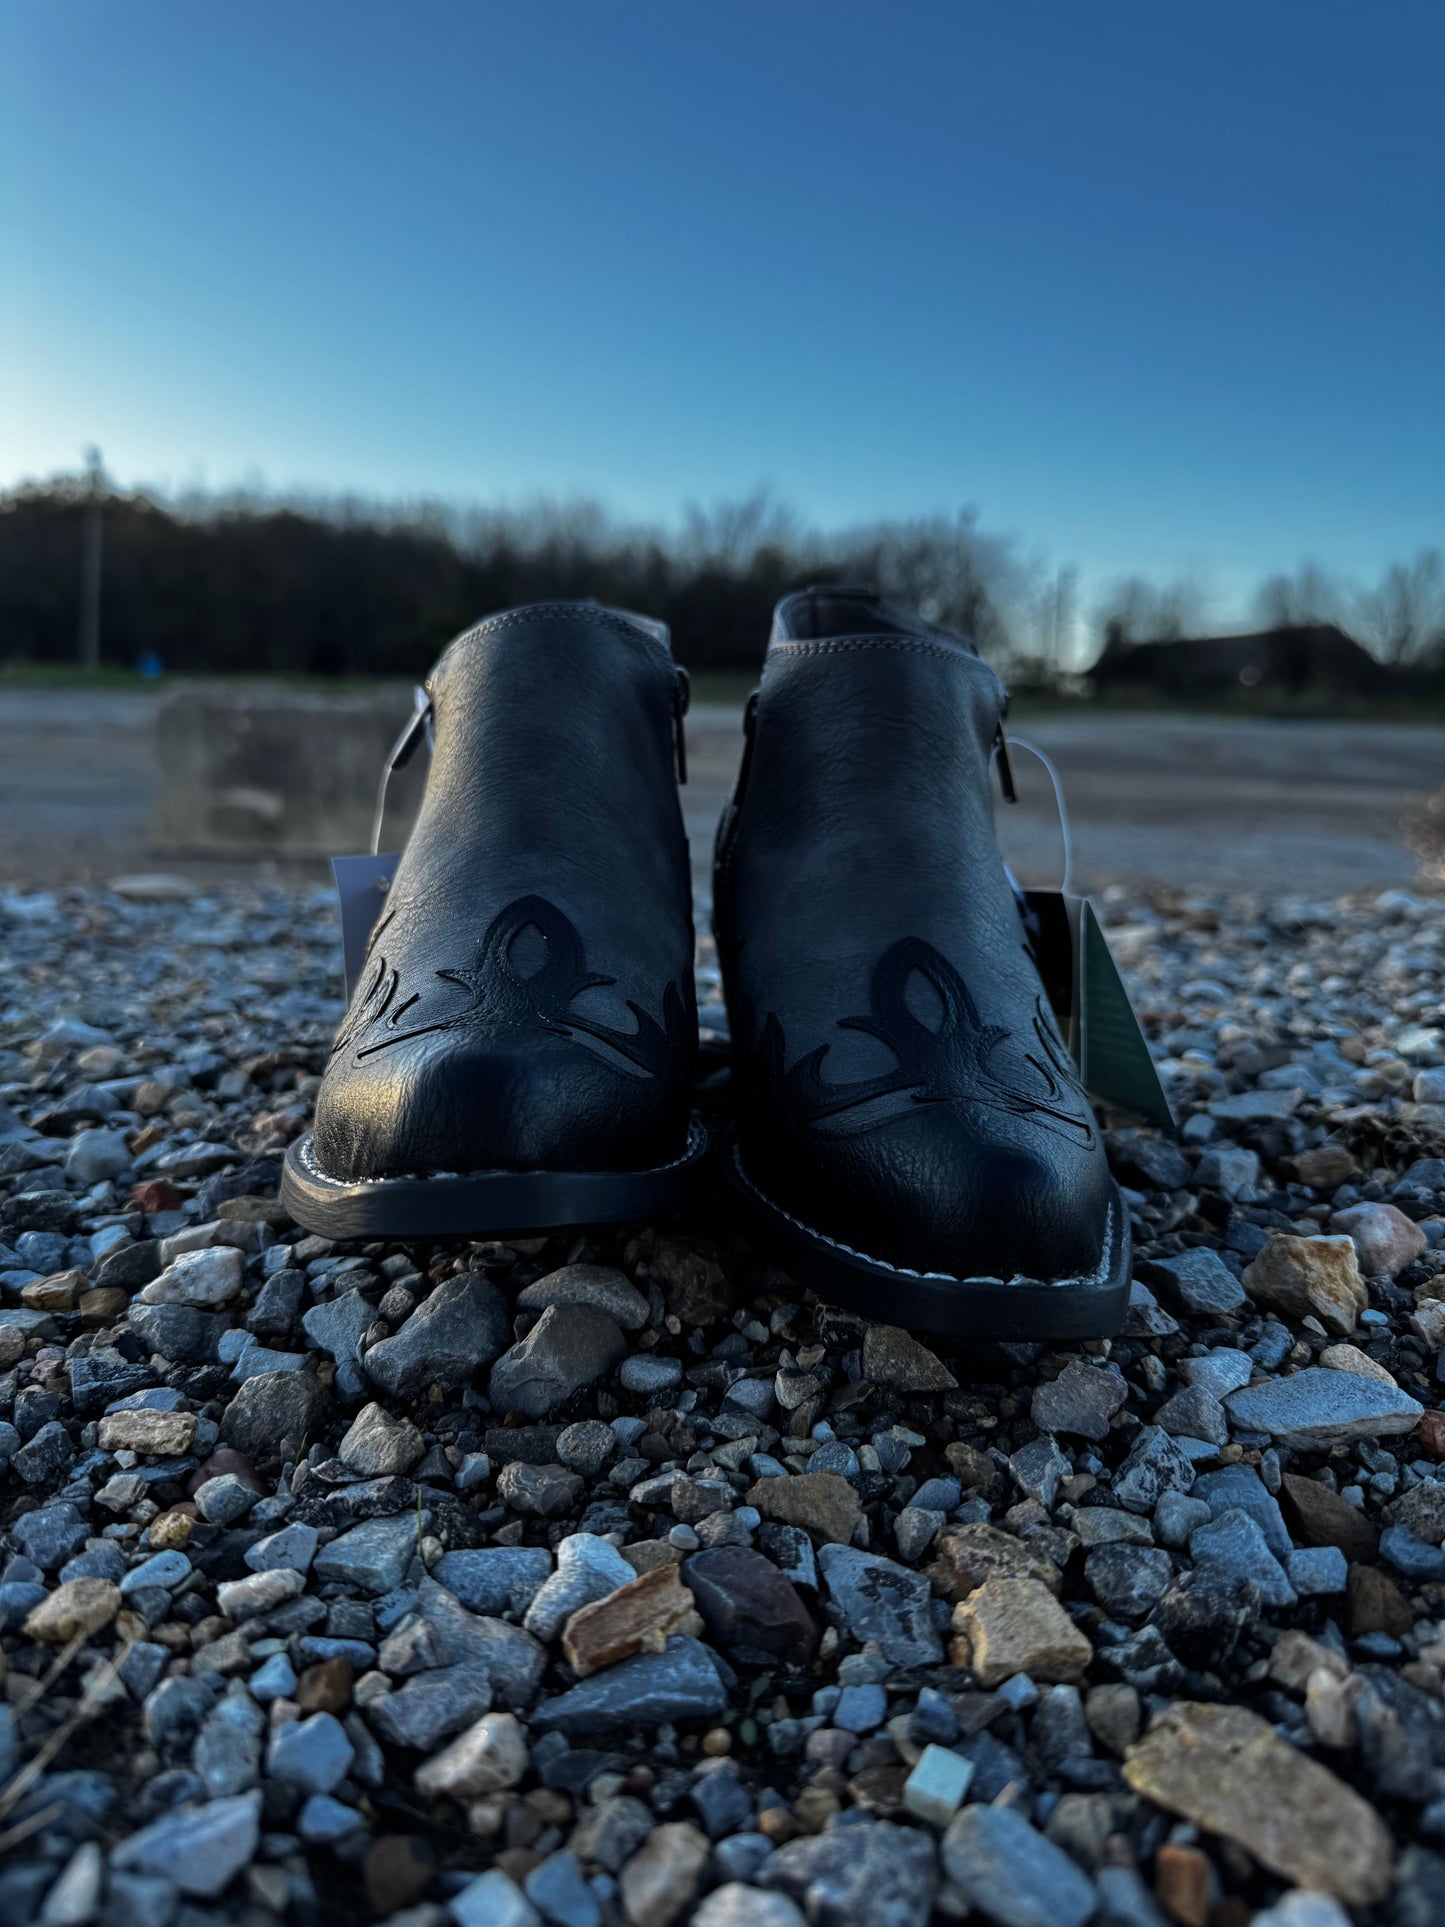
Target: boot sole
x: 488, y: 1204
x: 987, y: 1309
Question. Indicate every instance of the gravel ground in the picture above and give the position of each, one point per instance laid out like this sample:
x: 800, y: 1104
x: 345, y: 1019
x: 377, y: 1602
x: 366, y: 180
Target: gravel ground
x: 608, y: 1579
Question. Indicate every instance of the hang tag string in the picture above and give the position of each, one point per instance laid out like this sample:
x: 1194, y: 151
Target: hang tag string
x: 1020, y: 742
x: 419, y: 724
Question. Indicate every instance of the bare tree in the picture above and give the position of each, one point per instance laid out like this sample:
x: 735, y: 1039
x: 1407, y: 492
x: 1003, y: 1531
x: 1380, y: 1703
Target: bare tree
x: 1403, y: 617
x: 1306, y: 597
x: 1137, y: 610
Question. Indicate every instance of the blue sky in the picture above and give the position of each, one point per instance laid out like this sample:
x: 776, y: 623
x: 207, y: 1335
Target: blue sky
x: 1157, y: 289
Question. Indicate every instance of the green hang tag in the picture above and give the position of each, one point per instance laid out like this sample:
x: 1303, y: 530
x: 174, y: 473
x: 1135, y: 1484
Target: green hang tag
x: 1088, y: 997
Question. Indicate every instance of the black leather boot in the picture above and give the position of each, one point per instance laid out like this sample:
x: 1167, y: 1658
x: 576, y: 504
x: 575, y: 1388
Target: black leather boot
x: 518, y: 1053
x: 912, y: 1139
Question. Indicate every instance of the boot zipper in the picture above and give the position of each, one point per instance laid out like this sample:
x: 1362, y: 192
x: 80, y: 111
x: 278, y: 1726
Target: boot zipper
x: 681, y: 694
x: 728, y: 824
x: 1005, y: 767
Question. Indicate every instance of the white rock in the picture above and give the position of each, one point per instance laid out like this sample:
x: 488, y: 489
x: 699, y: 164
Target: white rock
x: 935, y: 1789
x: 206, y: 1279
x: 488, y: 1758
x: 74, y: 1900
x: 377, y: 1444
x: 243, y: 1598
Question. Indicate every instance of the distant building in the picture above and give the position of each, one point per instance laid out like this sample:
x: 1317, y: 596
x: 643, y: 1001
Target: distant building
x: 1315, y: 661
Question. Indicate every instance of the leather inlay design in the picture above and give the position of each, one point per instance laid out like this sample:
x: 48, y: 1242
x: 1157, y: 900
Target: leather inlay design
x: 961, y: 1061
x: 502, y: 999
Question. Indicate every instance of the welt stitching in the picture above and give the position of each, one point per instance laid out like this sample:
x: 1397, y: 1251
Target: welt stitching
x: 906, y: 1271
x: 918, y: 644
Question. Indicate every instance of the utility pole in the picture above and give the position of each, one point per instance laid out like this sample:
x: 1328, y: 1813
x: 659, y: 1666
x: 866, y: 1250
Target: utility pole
x: 90, y: 554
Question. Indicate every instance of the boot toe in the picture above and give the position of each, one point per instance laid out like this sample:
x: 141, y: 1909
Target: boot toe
x: 474, y: 1105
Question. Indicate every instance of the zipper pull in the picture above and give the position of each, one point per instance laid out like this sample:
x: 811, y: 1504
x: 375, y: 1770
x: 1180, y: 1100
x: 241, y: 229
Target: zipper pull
x: 681, y: 694
x: 1005, y: 767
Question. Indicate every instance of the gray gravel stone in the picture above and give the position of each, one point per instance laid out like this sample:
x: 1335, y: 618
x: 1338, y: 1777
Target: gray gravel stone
x: 1240, y: 1487
x: 884, y: 1601
x: 649, y: 1376
x: 1080, y: 1401
x: 424, y: 1710
x: 200, y: 1849
x: 274, y: 1412
x: 588, y: 1568
x: 373, y: 1556
x: 495, y: 1579
x: 1128, y: 1581
x: 1234, y: 1542
x: 1197, y: 1282
x: 293, y: 1546
x: 1319, y: 1407
x: 599, y: 1286
x: 1220, y: 1371
x: 1194, y: 1413
x: 1011, y: 1874
x: 1155, y: 1465
x: 569, y: 1346
x: 652, y: 1689
x: 461, y: 1327
x: 338, y: 1325
x: 313, y: 1754
x: 869, y: 1874
x: 538, y: 1491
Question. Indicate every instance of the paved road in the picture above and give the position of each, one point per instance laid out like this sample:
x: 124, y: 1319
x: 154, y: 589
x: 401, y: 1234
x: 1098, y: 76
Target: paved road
x: 1301, y: 807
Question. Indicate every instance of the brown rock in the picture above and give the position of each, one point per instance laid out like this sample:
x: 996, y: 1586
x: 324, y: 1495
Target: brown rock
x: 822, y: 1503
x: 1226, y: 1769
x: 397, y: 1870
x: 660, y: 1880
x: 225, y: 1459
x: 254, y: 1210
x: 157, y: 1194
x: 971, y: 1467
x: 697, y: 1290
x: 1324, y: 1168
x: 879, y: 1789
x: 1186, y: 1883
x: 1376, y: 1604
x: 77, y: 1609
x: 1431, y: 1434
x: 968, y: 1556
x: 894, y: 1357
x: 158, y: 1435
x: 102, y: 1305
x: 1012, y: 1624
x: 637, y: 1618
x: 1304, y: 1277
x: 326, y: 1686
x: 1322, y: 1518
x: 816, y: 1808
x: 1349, y: 1358
x: 171, y: 1531
x: 646, y: 1555
x: 59, y: 1292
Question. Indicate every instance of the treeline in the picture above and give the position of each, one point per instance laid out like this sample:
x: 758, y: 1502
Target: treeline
x: 244, y: 583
